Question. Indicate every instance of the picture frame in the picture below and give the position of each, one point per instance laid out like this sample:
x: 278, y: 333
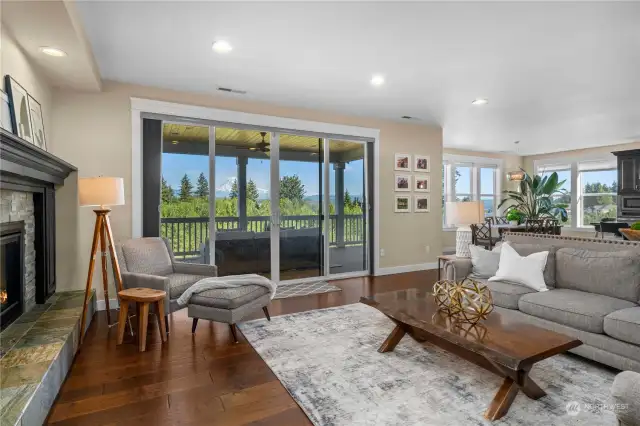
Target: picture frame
x: 422, y: 203
x: 5, y: 113
x: 19, y: 109
x: 402, y: 183
x: 421, y: 183
x: 402, y: 204
x: 37, y: 123
x: 422, y: 163
x: 402, y: 162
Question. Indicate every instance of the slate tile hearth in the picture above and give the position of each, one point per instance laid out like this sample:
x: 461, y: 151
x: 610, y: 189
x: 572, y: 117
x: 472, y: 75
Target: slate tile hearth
x: 39, y: 342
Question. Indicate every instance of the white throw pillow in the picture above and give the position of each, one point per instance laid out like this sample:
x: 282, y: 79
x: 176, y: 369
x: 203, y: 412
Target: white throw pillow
x: 527, y: 271
x: 484, y: 262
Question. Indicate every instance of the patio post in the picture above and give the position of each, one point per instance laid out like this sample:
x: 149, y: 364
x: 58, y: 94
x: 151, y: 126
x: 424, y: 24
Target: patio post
x: 242, y: 193
x: 339, y: 170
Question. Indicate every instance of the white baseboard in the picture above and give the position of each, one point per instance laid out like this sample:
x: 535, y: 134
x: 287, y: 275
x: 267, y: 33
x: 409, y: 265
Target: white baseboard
x: 406, y: 268
x: 100, y: 306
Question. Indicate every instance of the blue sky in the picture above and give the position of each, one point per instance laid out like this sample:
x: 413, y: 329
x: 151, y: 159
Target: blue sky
x: 174, y: 166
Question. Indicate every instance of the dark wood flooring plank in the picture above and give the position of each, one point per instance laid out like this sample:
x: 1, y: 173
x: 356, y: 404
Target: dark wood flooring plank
x: 194, y: 379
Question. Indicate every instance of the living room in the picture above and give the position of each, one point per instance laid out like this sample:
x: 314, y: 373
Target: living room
x: 235, y: 159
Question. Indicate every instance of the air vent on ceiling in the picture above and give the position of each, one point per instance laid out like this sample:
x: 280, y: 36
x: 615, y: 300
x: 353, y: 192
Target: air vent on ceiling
x: 228, y: 90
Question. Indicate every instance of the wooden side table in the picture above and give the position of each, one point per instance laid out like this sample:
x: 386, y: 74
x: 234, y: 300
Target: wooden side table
x: 142, y: 297
x: 442, y: 259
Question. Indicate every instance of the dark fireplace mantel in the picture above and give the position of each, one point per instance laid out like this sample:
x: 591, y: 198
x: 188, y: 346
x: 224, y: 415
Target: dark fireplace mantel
x: 27, y: 168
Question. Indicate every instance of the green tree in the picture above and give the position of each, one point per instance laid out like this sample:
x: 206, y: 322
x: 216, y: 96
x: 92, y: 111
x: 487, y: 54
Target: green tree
x: 234, y: 190
x: 186, y: 188
x: 347, y: 198
x: 292, y: 188
x: 252, y: 191
x: 202, y: 187
x: 167, y: 192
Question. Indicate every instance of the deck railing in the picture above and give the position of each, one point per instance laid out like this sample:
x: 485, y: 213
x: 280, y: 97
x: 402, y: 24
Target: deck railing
x: 188, y: 234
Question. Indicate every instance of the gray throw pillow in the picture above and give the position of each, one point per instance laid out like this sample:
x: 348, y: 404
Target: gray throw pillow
x: 550, y: 269
x: 484, y: 262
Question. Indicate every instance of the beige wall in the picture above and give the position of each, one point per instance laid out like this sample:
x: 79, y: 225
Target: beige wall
x: 100, y: 144
x: 510, y: 162
x: 15, y: 63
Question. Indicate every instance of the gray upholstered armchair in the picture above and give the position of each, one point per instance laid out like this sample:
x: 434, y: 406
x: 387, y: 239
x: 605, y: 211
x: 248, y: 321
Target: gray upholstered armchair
x: 149, y: 262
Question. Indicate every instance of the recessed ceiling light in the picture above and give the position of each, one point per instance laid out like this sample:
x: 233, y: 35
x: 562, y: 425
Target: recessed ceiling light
x: 480, y: 101
x: 377, y: 80
x: 52, y: 51
x: 222, y: 46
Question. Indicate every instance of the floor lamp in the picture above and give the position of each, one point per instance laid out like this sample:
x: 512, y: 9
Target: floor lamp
x: 101, y: 192
x: 463, y: 214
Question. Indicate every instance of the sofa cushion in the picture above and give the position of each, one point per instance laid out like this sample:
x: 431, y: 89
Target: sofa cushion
x: 624, y: 325
x: 147, y: 256
x: 178, y: 283
x: 228, y: 298
x: 549, y: 272
x: 577, y: 309
x: 614, y: 273
x: 485, y: 262
x: 506, y: 295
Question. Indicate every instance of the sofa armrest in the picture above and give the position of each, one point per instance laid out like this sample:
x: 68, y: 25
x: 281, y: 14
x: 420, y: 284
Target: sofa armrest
x: 626, y: 392
x: 457, y: 269
x: 195, y: 269
x: 156, y: 282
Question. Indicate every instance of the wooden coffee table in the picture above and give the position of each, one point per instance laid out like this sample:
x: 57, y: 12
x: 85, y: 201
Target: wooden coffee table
x: 502, y: 345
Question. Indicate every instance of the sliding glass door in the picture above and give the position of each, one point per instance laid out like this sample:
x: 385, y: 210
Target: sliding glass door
x: 300, y: 206
x: 184, y: 195
x: 285, y: 205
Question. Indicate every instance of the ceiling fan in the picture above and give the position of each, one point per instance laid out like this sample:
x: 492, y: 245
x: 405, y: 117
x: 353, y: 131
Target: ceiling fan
x: 260, y: 146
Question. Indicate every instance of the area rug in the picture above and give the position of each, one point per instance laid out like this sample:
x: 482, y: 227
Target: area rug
x: 305, y: 289
x: 328, y: 361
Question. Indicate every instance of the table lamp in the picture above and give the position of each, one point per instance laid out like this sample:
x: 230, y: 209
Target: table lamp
x: 463, y: 214
x: 101, y: 192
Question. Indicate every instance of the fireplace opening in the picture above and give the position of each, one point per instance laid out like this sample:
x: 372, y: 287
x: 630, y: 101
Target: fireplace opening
x: 11, y: 272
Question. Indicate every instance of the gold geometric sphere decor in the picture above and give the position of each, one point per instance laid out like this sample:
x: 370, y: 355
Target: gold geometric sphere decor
x: 442, y: 291
x: 468, y: 300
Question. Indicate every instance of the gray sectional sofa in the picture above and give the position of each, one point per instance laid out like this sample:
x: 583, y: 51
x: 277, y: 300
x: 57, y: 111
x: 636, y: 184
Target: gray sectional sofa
x: 594, y: 294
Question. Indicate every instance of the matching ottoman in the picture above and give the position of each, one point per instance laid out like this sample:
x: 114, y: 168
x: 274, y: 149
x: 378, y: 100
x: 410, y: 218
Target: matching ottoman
x: 228, y: 305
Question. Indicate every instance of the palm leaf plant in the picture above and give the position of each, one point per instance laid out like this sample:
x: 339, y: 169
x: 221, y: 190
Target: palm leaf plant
x: 536, y: 197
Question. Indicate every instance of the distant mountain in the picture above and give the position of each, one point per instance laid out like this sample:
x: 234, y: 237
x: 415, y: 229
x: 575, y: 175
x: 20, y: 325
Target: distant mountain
x: 224, y: 190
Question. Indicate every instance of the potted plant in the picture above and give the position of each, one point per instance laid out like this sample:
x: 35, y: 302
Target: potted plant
x: 538, y: 197
x: 514, y: 217
x: 632, y: 233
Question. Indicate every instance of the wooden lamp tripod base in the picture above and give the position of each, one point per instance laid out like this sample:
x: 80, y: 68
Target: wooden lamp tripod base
x: 102, y: 233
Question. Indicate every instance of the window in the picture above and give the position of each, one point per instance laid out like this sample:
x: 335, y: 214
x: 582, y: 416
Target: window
x: 599, y: 198
x: 471, y: 179
x: 591, y: 187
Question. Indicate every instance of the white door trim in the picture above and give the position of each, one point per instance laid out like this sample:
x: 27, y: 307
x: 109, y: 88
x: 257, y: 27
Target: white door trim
x: 140, y: 106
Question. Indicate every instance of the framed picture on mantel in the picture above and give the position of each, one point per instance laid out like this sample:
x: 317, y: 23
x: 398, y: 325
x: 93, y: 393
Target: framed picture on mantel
x: 19, y: 109
x: 37, y: 123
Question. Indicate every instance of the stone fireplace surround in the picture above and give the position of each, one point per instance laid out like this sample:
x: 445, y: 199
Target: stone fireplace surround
x: 17, y: 206
x: 28, y: 179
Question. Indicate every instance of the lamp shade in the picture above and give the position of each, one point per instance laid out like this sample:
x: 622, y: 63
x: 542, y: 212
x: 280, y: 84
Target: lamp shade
x: 464, y: 212
x: 101, y: 191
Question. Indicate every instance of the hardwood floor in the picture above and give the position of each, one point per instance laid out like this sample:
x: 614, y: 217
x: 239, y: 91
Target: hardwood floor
x: 194, y: 379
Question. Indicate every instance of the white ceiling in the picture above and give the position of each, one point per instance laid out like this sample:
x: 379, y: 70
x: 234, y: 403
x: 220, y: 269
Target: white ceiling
x: 558, y: 76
